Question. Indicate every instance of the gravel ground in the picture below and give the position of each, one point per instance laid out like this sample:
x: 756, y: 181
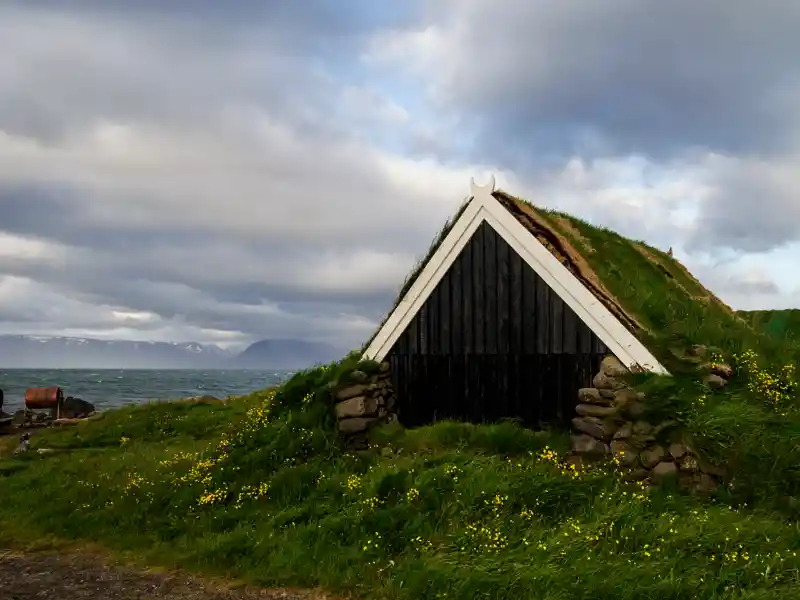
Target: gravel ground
x: 72, y: 576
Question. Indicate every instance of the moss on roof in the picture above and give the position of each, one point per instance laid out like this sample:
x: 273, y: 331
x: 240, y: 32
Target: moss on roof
x: 651, y: 293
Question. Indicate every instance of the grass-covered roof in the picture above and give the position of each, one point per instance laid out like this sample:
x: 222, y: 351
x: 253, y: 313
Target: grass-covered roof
x: 649, y: 291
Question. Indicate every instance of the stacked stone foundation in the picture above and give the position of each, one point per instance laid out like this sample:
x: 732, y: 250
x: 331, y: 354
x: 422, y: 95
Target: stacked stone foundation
x: 611, y: 421
x: 364, y: 401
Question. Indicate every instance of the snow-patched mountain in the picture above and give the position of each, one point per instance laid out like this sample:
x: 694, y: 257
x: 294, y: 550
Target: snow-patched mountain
x: 54, y: 352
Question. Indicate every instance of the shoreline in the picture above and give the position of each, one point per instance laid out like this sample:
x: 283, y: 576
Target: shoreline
x: 12, y: 423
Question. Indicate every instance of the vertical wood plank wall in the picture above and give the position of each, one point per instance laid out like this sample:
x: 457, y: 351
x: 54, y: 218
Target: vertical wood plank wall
x: 493, y: 341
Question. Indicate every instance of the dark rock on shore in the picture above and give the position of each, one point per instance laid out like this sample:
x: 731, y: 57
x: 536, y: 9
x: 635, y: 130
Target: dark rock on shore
x: 75, y: 408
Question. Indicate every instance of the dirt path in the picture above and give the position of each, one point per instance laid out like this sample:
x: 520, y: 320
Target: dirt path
x: 73, y: 576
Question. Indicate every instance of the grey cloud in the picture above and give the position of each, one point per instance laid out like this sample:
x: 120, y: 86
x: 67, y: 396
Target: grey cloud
x: 239, y: 202
x: 545, y: 78
x: 742, y: 285
x: 540, y: 82
x: 62, y: 66
x: 134, y: 70
x: 318, y: 18
x: 211, y: 281
x: 754, y: 287
x: 204, y: 163
x: 753, y: 205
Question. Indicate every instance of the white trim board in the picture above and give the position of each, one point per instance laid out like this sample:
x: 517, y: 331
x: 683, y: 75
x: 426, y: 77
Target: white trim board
x: 484, y: 207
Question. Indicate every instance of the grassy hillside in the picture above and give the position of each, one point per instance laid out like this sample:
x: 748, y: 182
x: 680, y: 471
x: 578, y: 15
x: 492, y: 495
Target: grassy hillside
x: 260, y: 488
x: 783, y: 324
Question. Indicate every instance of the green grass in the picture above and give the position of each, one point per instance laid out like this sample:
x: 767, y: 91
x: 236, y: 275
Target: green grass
x: 260, y: 488
x: 783, y: 324
x: 669, y: 302
x: 446, y: 511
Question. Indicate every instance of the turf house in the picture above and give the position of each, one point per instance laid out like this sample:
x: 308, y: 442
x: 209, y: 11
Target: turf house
x: 506, y: 318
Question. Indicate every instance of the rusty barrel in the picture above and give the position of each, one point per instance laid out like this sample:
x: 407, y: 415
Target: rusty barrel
x: 39, y: 398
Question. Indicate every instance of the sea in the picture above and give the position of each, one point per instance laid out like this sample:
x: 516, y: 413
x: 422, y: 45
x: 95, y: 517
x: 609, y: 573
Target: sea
x: 114, y: 388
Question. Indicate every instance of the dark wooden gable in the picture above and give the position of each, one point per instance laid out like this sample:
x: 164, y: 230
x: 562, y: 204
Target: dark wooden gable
x: 493, y: 340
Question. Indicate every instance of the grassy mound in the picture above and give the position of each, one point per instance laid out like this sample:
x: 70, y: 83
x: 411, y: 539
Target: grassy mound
x: 261, y: 488
x: 783, y: 324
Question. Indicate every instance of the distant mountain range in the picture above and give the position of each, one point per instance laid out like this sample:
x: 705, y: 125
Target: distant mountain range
x: 285, y: 354
x: 54, y: 352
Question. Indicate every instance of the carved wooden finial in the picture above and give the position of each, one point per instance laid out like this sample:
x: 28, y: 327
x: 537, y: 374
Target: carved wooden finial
x: 477, y: 190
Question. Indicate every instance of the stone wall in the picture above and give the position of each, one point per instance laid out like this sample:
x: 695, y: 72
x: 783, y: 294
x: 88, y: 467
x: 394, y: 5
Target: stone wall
x: 363, y: 401
x: 610, y: 421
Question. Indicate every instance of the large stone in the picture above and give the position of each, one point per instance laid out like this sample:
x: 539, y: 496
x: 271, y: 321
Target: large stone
x: 19, y: 418
x: 650, y: 458
x: 592, y: 396
x: 641, y: 441
x: 636, y: 475
x: 707, y: 467
x: 624, y: 432
x: 723, y: 370
x: 608, y: 394
x: 75, y: 408
x: 351, y: 392
x: 625, y: 396
x: 586, y: 444
x: 602, y: 381
x: 634, y: 410
x: 595, y: 410
x: 705, y: 484
x: 611, y: 366
x: 626, y: 455
x: 360, y: 406
x: 663, y: 470
x: 598, y: 428
x: 664, y: 426
x: 356, y: 425
x: 677, y: 451
x: 642, y: 428
x: 715, y: 382
x: 358, y: 376
x: 698, y: 350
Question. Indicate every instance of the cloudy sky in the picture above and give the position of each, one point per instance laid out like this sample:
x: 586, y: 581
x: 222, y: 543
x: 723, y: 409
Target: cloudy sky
x: 226, y: 171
